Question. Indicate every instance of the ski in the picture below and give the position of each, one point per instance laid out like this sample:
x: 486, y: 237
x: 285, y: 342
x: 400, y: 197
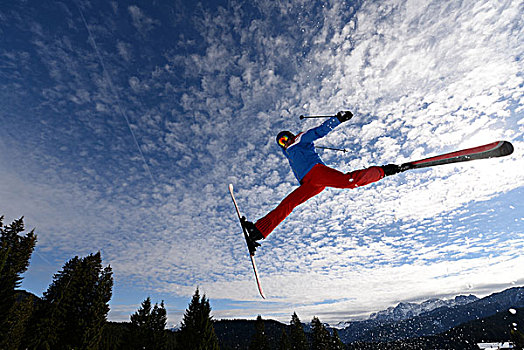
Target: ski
x: 490, y: 150
x: 250, y: 247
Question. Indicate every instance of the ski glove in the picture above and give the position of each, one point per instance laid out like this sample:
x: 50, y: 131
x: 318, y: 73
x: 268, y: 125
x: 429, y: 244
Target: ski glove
x: 391, y: 169
x: 344, y: 116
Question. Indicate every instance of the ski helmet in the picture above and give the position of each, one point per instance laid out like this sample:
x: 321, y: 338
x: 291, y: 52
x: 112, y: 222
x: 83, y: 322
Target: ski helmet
x: 283, y: 137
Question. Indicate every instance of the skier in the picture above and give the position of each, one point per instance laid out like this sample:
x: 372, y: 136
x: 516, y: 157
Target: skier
x: 312, y: 174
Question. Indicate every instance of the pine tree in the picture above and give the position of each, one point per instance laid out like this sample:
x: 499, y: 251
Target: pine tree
x: 148, y: 325
x: 298, y: 337
x: 336, y: 343
x: 159, y: 322
x: 114, y: 336
x: 197, y: 330
x: 15, y: 252
x: 140, y: 332
x: 259, y: 340
x: 74, y: 308
x: 321, y: 337
x: 18, y: 321
x: 284, y: 344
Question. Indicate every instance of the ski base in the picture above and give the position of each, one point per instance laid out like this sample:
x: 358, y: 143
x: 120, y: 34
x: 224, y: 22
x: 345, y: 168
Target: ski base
x: 251, y: 250
x: 490, y: 150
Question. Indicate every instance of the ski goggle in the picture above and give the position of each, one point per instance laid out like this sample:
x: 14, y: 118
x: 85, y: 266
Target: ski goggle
x: 283, y: 140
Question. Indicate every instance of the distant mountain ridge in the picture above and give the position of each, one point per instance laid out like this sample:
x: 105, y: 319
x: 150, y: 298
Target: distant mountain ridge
x: 404, y: 311
x: 437, y: 324
x: 432, y: 322
x: 500, y: 328
x: 452, y: 324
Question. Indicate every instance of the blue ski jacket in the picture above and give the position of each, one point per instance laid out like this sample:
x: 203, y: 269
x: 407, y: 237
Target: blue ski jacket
x: 301, y: 154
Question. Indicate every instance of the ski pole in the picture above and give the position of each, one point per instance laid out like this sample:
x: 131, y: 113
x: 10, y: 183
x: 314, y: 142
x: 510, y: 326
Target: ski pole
x: 315, y: 116
x: 333, y: 149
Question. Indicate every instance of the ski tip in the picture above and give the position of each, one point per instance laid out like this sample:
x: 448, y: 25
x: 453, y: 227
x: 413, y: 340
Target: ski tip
x: 231, y: 187
x: 507, y: 148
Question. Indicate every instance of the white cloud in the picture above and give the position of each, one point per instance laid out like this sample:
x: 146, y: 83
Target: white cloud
x: 141, y: 21
x: 124, y: 50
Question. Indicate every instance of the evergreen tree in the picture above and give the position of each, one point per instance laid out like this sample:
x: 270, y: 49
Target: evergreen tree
x: 74, y: 308
x: 148, y: 325
x: 298, y: 337
x: 114, y: 336
x: 197, y: 332
x: 259, y: 340
x: 15, y: 252
x: 171, y: 340
x: 284, y: 344
x: 18, y: 320
x: 336, y: 343
x: 321, y: 337
x: 159, y: 320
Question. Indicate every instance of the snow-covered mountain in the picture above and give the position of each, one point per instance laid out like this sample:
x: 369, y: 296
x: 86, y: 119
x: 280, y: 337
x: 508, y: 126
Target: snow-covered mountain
x: 403, y: 311
x: 432, y: 317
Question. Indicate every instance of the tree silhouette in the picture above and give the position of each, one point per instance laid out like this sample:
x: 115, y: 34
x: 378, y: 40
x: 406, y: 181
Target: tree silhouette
x: 321, y: 337
x: 15, y: 252
x: 147, y: 326
x: 197, y: 330
x: 336, y: 343
x: 284, y: 344
x: 298, y: 337
x: 259, y: 340
x: 74, y: 308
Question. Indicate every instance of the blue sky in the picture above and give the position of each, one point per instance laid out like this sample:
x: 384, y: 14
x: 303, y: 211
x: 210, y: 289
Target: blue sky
x: 122, y: 124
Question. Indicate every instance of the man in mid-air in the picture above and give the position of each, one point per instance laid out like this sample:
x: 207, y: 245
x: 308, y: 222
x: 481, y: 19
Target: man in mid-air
x: 312, y: 174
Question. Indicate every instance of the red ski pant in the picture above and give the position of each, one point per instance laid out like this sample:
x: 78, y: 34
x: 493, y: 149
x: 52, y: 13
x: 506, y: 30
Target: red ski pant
x: 315, y: 181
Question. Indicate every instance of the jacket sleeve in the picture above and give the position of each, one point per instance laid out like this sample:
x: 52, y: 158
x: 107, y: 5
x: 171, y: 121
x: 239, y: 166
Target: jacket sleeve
x: 320, y: 131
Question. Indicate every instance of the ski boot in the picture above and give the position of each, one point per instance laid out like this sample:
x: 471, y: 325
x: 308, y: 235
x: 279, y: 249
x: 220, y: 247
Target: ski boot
x: 391, y: 169
x: 253, y: 235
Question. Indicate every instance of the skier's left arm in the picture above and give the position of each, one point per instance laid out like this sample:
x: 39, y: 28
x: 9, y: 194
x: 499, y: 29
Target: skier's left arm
x: 324, y: 129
